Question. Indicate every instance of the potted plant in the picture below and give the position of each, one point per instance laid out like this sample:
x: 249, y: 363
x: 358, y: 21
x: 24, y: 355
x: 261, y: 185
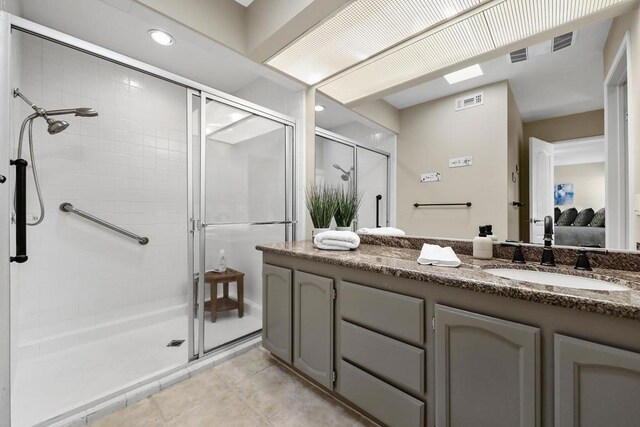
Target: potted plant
x: 348, y: 204
x: 322, y: 204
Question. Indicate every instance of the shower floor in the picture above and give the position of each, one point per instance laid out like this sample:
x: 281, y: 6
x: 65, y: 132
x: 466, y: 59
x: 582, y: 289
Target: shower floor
x: 49, y: 385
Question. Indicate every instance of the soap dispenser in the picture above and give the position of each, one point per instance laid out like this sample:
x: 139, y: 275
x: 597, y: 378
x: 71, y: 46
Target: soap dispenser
x: 482, y: 245
x: 490, y: 234
x: 222, y: 262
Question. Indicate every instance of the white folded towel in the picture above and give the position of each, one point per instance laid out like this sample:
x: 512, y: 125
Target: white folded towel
x: 382, y: 231
x: 337, y: 240
x: 436, y: 255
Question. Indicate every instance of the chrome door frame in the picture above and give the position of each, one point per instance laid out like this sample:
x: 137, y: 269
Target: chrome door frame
x: 200, y: 222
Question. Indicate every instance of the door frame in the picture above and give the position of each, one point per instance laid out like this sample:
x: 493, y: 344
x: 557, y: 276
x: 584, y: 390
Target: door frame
x: 7, y: 351
x: 533, y: 174
x: 323, y: 133
x: 619, y: 173
x: 197, y: 220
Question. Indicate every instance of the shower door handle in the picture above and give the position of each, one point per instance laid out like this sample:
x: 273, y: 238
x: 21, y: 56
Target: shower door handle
x: 21, y: 210
x: 378, y: 198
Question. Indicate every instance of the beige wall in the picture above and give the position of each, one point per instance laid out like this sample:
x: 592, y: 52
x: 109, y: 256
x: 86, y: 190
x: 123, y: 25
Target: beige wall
x: 381, y: 112
x: 588, y: 184
x: 574, y: 126
x: 629, y: 22
x: 433, y: 132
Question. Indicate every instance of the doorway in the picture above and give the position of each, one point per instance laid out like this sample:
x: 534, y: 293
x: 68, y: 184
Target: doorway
x: 618, y: 170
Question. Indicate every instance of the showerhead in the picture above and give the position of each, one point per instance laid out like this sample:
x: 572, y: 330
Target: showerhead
x: 86, y: 112
x: 346, y: 176
x: 56, y: 126
x: 78, y: 112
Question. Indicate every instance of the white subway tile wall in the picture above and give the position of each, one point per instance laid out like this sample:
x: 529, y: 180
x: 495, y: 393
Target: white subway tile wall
x: 127, y: 166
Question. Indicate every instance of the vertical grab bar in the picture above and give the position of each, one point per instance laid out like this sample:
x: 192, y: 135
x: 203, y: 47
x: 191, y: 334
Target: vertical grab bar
x: 21, y: 210
x: 378, y: 198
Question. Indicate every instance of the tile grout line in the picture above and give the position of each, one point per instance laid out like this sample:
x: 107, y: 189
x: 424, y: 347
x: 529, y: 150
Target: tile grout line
x: 316, y: 387
x: 236, y: 392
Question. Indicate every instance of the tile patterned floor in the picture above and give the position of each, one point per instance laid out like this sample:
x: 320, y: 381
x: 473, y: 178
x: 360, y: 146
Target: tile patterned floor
x: 249, y: 390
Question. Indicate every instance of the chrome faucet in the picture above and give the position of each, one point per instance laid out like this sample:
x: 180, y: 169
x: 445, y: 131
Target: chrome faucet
x: 547, y: 253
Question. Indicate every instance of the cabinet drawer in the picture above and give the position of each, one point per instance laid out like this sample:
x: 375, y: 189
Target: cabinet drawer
x: 390, y: 313
x: 390, y: 405
x: 392, y: 360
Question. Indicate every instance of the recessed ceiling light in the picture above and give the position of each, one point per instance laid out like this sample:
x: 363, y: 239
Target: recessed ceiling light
x: 161, y: 37
x: 319, y: 108
x: 464, y: 74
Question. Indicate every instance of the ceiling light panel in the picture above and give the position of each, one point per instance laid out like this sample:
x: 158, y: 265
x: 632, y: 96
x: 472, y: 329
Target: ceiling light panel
x: 514, y: 20
x: 504, y: 23
x: 451, y: 45
x: 361, y: 30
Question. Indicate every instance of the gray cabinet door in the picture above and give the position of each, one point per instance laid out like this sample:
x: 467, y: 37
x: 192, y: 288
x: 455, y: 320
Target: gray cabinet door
x: 487, y: 371
x: 276, y: 311
x: 595, y: 385
x: 313, y: 326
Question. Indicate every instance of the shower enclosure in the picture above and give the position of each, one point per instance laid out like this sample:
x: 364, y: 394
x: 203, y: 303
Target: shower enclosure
x: 342, y: 161
x: 140, y: 201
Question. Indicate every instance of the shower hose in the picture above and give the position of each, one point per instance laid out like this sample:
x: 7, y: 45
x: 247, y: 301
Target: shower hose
x: 32, y: 162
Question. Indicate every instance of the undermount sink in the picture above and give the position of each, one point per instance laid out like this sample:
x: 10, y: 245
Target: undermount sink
x: 556, y: 279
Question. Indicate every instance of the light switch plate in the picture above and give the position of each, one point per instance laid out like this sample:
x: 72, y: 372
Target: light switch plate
x: 460, y: 162
x: 431, y: 177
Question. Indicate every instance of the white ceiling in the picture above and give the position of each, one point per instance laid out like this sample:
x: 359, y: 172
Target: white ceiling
x: 549, y: 85
x: 122, y: 25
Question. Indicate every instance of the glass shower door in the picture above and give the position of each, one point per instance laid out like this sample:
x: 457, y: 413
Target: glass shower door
x: 245, y: 198
x: 373, y: 178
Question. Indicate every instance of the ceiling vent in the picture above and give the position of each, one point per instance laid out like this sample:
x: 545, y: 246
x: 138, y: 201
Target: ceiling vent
x: 563, y: 41
x: 469, y: 101
x: 518, y: 55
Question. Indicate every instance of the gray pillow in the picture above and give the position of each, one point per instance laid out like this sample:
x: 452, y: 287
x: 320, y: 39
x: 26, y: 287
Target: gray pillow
x: 556, y: 214
x: 598, y: 219
x: 584, y: 217
x: 567, y: 217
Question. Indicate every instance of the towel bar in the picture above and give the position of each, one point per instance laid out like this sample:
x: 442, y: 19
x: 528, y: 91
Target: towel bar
x: 418, y: 205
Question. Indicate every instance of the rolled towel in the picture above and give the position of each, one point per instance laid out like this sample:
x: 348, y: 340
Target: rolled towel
x: 382, y: 231
x: 337, y: 240
x: 436, y: 255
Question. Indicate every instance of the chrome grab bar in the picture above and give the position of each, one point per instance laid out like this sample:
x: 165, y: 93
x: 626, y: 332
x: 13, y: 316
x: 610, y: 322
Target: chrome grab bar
x: 222, y: 224
x: 68, y: 207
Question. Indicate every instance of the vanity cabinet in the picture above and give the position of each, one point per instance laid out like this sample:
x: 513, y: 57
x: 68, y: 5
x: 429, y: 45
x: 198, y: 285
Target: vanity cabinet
x: 594, y: 382
x: 276, y: 311
x: 486, y: 370
x: 313, y: 326
x: 381, y: 354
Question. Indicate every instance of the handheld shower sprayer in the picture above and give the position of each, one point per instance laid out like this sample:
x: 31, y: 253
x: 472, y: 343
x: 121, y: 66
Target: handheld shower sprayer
x: 54, y: 127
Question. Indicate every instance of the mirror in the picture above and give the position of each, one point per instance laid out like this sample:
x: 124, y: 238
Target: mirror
x: 524, y: 140
x: 352, y: 151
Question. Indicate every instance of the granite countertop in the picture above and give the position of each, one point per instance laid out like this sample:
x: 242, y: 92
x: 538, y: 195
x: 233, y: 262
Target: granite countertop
x: 401, y: 262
